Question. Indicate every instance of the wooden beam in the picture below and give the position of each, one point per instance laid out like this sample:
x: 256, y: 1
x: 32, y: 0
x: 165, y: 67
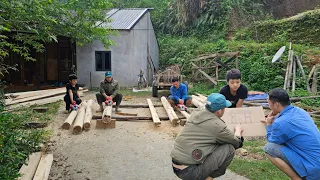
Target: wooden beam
x: 155, y: 117
x: 204, y: 57
x: 222, y: 64
x: 294, y: 99
x: 303, y: 73
x: 138, y: 105
x: 44, y: 167
x: 40, y: 109
x: 206, y: 75
x: 290, y: 58
x: 78, y: 122
x: 131, y: 118
x: 126, y: 114
x: 68, y: 122
x: 315, y: 81
x: 252, y: 104
x: 311, y: 72
x: 88, y: 115
x: 294, y: 76
x: 28, y: 170
x: 171, y: 114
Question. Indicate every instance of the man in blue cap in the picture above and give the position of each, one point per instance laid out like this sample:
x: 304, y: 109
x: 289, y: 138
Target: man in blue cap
x: 109, y: 89
x: 205, y: 147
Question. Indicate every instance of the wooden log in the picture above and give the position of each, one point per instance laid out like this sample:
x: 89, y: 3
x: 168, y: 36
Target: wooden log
x: 78, y: 122
x: 171, y: 114
x: 311, y: 73
x: 294, y: 76
x: 290, y: 67
x: 103, y: 125
x: 196, y: 102
x: 205, y: 74
x: 68, y: 122
x: 106, y: 115
x: 217, y: 72
x: 155, y: 117
x: 252, y: 104
x: 315, y: 81
x: 131, y: 118
x: 286, y: 77
x: 303, y: 73
x: 185, y: 114
x: 88, y: 116
x: 44, y: 167
x: 28, y: 170
x: 138, y: 105
x: 202, y: 97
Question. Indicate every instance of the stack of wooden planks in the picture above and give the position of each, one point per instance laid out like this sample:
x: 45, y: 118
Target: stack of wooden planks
x: 37, y: 167
x: 25, y: 99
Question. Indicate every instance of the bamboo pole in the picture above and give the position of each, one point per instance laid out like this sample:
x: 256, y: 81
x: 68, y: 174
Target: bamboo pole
x: 302, y: 72
x: 294, y: 76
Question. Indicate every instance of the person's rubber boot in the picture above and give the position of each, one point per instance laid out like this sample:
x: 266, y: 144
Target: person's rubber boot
x: 117, y: 109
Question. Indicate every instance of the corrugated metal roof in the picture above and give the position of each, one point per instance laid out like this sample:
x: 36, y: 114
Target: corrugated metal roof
x: 124, y: 18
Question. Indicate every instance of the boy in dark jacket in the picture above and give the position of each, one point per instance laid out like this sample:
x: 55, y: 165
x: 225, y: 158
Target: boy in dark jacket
x: 235, y: 92
x: 72, y: 95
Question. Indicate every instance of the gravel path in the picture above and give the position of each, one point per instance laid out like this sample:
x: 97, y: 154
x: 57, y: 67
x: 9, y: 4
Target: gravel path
x: 133, y: 150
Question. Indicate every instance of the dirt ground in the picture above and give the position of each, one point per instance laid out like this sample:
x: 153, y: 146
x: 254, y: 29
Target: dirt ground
x: 133, y: 150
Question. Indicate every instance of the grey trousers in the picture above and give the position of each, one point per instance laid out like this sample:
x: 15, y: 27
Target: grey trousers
x: 214, y: 165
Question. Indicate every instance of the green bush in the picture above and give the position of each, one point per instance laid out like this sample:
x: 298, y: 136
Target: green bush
x: 16, y: 144
x: 301, y: 29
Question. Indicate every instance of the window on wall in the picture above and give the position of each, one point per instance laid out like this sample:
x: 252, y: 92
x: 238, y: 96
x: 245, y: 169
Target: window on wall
x: 103, y: 60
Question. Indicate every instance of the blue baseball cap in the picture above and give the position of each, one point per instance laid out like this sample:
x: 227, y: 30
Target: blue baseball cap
x: 108, y: 74
x: 216, y: 102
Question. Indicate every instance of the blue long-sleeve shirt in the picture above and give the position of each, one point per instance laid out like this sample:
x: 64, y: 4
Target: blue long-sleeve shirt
x: 295, y: 129
x: 180, y: 93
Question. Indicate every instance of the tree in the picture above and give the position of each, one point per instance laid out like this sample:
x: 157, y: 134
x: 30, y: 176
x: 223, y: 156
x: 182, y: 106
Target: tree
x: 28, y: 24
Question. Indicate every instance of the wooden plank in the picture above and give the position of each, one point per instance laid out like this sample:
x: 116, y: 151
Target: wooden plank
x: 41, y: 96
x: 206, y: 75
x: 28, y: 170
x: 36, y: 102
x: 311, y: 72
x: 252, y: 104
x: 294, y: 76
x: 44, y: 167
x: 155, y: 117
x: 126, y: 114
x: 131, y: 118
x: 303, y: 73
x: 315, y: 81
x: 138, y: 105
x: 294, y: 99
x: 171, y: 114
x: 68, y: 122
x: 102, y: 125
x: 78, y: 122
x: 88, y: 115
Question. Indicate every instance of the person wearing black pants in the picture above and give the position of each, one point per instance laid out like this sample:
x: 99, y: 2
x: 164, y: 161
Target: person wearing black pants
x: 72, y: 94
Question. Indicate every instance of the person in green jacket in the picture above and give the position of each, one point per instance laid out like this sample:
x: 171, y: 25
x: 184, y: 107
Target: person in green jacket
x: 205, y: 147
x: 109, y: 90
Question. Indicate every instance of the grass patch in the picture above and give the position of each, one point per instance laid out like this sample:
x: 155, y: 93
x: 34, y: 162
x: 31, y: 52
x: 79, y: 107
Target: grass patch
x: 255, y: 165
x: 17, y: 142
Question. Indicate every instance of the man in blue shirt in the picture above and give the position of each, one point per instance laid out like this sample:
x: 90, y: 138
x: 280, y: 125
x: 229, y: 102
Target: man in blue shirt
x: 179, y: 94
x: 293, y: 138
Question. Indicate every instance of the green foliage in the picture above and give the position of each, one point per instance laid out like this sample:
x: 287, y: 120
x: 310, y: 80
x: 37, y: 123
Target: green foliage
x: 254, y: 61
x: 15, y: 144
x: 300, y: 29
x: 26, y: 25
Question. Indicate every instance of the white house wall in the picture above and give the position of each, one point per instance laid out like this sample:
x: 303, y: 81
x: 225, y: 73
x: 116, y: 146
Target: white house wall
x: 127, y: 56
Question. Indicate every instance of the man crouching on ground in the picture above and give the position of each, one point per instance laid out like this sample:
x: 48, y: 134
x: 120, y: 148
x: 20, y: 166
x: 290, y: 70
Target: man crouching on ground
x: 293, y: 138
x: 205, y: 147
x: 109, y: 89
